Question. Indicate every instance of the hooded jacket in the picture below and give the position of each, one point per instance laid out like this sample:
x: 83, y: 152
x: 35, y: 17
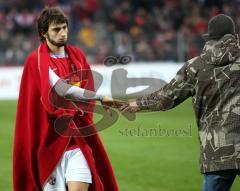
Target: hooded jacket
x: 212, y: 80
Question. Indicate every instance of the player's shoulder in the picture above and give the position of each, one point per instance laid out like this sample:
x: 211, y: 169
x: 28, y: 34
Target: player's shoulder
x: 79, y: 54
x: 32, y: 59
x: 77, y: 50
x: 33, y: 56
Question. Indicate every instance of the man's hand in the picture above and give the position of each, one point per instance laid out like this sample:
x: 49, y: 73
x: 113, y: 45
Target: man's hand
x: 131, y: 107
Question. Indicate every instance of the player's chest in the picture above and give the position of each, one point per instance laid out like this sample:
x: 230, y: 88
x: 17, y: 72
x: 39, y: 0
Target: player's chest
x: 62, y: 66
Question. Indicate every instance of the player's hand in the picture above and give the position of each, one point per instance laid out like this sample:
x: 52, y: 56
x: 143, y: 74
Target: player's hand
x: 108, y: 102
x: 131, y: 107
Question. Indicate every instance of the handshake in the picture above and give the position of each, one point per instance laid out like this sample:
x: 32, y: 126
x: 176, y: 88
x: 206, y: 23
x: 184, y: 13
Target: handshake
x: 122, y: 106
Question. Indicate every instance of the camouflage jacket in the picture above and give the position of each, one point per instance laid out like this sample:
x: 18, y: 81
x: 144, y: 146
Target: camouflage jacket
x: 213, y: 81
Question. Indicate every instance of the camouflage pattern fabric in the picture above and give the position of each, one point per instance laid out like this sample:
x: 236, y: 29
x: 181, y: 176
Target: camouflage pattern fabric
x: 213, y: 81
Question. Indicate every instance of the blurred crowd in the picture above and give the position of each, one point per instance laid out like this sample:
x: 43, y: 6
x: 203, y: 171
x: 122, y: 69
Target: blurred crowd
x: 146, y: 30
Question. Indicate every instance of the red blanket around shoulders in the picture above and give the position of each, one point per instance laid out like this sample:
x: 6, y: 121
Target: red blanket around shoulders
x: 37, y: 145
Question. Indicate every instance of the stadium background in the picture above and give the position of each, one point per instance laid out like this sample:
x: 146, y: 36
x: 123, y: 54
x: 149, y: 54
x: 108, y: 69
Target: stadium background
x: 154, y: 33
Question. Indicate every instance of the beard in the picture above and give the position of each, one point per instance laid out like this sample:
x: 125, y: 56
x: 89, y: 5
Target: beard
x: 55, y: 43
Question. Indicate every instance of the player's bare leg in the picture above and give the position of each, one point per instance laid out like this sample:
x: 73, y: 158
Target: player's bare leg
x: 77, y: 186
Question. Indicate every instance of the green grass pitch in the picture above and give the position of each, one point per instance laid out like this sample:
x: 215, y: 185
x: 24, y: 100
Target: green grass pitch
x: 161, y: 162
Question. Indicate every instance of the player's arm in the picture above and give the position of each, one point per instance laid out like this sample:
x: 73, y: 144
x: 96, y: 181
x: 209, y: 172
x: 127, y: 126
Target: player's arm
x: 179, y: 89
x: 64, y: 89
x: 75, y: 93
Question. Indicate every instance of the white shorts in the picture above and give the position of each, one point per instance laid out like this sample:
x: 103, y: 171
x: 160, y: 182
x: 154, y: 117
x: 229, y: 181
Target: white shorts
x: 72, y: 167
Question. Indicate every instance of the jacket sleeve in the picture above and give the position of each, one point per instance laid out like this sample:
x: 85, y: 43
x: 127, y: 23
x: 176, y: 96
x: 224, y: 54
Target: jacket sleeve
x: 179, y: 89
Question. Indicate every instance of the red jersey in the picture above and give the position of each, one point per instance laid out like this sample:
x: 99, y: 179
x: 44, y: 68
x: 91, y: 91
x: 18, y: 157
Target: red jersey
x: 62, y: 62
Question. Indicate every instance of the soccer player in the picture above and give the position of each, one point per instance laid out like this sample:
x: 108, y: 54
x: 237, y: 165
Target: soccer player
x: 212, y: 80
x: 44, y: 158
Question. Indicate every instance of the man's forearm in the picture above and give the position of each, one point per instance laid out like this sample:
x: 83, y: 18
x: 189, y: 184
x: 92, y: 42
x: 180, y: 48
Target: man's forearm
x: 155, y: 102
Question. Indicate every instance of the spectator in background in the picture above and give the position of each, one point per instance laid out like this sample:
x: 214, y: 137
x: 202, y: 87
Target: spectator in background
x: 170, y: 25
x: 87, y: 35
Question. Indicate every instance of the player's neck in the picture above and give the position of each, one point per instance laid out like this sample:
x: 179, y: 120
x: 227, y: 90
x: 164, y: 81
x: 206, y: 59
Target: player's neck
x: 55, y: 49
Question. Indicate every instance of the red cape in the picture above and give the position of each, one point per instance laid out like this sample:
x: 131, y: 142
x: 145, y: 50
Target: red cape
x: 37, y: 145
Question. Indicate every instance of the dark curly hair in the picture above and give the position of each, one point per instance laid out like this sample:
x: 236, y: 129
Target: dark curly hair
x: 47, y: 17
